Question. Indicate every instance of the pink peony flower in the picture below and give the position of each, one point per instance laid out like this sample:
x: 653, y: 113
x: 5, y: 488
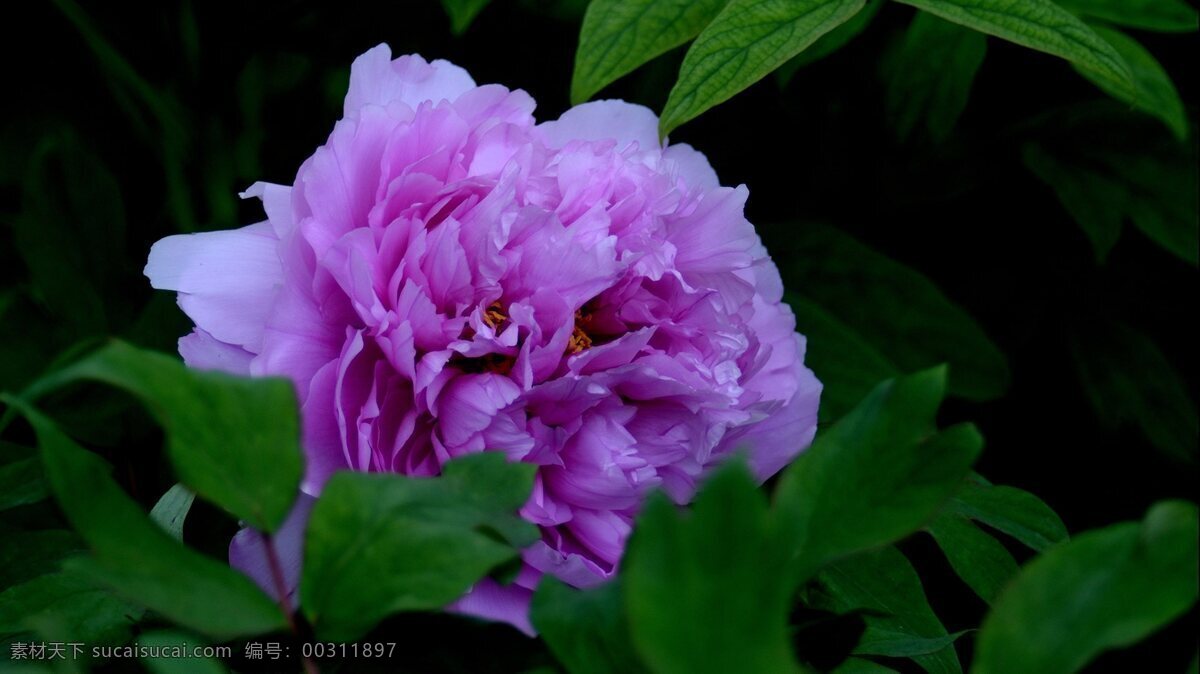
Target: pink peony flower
x: 446, y: 276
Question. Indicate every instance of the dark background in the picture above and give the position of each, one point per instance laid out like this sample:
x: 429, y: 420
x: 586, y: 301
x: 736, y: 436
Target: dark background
x: 259, y: 85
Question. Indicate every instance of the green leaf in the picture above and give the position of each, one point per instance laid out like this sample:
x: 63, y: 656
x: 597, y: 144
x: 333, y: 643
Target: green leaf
x: 174, y: 653
x: 846, y: 364
x: 29, y: 554
x: 1012, y: 511
x: 462, y: 13
x: 1169, y: 16
x: 1105, y: 589
x: 979, y: 559
x: 585, y: 629
x: 830, y: 42
x: 898, y: 644
x: 1093, y: 200
x: 89, y: 612
x: 744, y: 43
x: 1153, y: 92
x: 883, y: 585
x: 172, y: 509
x: 135, y: 556
x: 70, y: 195
x: 705, y: 592
x: 861, y: 666
x: 233, y: 440
x: 618, y: 36
x: 930, y: 75
x: 21, y: 483
x: 377, y: 544
x: 1130, y: 382
x: 899, y: 311
x: 876, y: 476
x: 1040, y: 25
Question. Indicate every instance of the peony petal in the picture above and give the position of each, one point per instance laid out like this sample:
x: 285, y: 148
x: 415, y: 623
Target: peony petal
x: 248, y: 551
x: 202, y: 351
x: 226, y: 281
x: 499, y: 603
x: 692, y: 166
x: 603, y: 120
x: 375, y: 79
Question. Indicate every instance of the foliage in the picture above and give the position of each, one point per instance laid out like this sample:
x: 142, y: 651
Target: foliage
x: 123, y: 474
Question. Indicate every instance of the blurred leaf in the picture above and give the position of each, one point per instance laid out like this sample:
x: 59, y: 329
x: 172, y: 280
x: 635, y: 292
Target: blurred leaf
x: 172, y: 509
x: 895, y: 644
x: 21, y: 483
x: 899, y: 311
x: 847, y: 366
x: 1105, y: 589
x: 861, y: 666
x: 71, y: 231
x: 930, y: 75
x: 172, y: 660
x: 29, y: 554
x: 705, y: 591
x: 587, y: 630
x: 744, y: 43
x: 1012, y: 511
x: 979, y: 559
x: 1094, y: 201
x: 830, y: 42
x: 617, y: 36
x: 462, y: 13
x: 1040, y: 25
x: 233, y: 440
x: 1171, y: 16
x: 135, y: 556
x: 1154, y: 92
x: 29, y: 339
x: 875, y: 476
x: 90, y: 612
x: 1131, y: 382
x: 377, y: 544
x: 135, y: 94
x: 883, y: 585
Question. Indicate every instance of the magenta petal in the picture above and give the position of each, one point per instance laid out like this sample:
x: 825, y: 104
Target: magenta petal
x: 248, y: 551
x: 499, y: 603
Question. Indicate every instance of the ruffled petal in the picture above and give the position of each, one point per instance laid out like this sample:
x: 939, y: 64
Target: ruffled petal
x: 376, y: 79
x: 603, y: 120
x: 226, y: 281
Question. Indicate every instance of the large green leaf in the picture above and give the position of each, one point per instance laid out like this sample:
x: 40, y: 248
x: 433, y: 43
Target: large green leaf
x: 587, y: 630
x: 876, y: 476
x: 235, y: 441
x: 885, y: 588
x: 1012, y: 511
x: 171, y: 652
x: 930, y: 74
x: 1105, y: 589
x: 978, y: 558
x: 1172, y: 16
x: 1130, y: 381
x: 830, y: 42
x: 745, y: 42
x: 1041, y: 25
x: 707, y: 592
x: 89, y: 612
x: 894, y: 308
x: 136, y: 557
x: 617, y: 36
x: 1153, y: 92
x: 847, y: 365
x: 377, y: 544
